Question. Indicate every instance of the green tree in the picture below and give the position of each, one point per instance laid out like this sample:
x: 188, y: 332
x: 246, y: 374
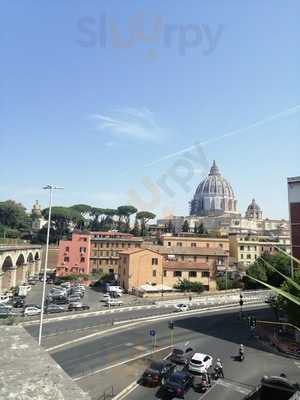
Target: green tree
x: 185, y: 285
x: 258, y: 271
x: 13, y: 215
x: 277, y: 262
x: 62, y: 219
x: 125, y: 212
x: 144, y: 217
x: 136, y: 228
x: 292, y: 309
x: 185, y: 226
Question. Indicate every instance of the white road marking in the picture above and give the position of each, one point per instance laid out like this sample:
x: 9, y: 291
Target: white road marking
x: 149, y: 353
x: 233, y: 386
x: 131, y: 387
x: 207, y: 391
x: 139, y: 321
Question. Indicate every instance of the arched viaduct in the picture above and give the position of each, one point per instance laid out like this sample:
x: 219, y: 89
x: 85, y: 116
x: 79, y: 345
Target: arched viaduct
x: 17, y: 264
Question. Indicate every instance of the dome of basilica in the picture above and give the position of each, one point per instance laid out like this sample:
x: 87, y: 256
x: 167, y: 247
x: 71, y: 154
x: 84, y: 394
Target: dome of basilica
x: 214, y: 196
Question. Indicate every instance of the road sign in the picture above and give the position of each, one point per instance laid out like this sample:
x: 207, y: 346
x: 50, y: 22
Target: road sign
x: 152, y: 332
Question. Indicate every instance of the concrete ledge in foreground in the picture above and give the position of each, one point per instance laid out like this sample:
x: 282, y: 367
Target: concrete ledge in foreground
x: 28, y: 372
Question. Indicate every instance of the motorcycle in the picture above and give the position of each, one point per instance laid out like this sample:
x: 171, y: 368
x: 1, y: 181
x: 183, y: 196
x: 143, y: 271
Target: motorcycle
x: 241, y: 356
x: 202, y: 383
x: 217, y: 373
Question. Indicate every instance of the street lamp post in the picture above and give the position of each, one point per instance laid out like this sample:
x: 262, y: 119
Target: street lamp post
x: 50, y: 188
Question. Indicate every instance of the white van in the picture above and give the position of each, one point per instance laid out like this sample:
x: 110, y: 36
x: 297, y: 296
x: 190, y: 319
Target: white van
x: 117, y: 289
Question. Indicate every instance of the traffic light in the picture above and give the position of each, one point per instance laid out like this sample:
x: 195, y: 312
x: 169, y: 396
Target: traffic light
x: 241, y: 300
x: 171, y: 325
x: 252, y: 321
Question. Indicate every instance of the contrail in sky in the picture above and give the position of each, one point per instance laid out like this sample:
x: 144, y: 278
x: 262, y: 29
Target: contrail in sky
x: 274, y: 117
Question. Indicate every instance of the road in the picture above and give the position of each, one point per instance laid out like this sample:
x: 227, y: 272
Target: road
x: 114, y: 359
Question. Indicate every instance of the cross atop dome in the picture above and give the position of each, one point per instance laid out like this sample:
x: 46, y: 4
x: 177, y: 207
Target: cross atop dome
x: 214, y: 169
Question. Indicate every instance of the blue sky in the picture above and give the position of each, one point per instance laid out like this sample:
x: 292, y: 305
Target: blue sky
x: 95, y: 93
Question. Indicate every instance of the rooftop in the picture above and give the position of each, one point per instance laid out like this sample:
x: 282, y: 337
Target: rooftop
x: 194, y: 251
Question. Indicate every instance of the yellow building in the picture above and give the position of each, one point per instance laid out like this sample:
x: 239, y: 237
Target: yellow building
x: 245, y: 249
x: 139, y: 267
x: 199, y: 263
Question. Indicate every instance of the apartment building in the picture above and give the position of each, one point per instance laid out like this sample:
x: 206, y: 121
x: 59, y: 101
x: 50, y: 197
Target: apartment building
x: 74, y: 255
x: 94, y: 252
x: 294, y: 209
x: 245, y: 249
x: 105, y: 248
x: 177, y: 259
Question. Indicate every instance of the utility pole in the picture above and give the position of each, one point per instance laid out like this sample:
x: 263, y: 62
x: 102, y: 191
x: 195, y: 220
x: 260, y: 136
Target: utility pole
x: 50, y: 188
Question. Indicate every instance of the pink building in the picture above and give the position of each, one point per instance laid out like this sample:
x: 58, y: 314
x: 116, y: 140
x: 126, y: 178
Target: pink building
x: 74, y: 255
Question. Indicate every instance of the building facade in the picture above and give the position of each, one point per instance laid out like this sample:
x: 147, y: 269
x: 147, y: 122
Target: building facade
x: 140, y: 266
x: 93, y: 252
x: 246, y: 249
x: 105, y: 248
x: 294, y: 211
x: 74, y: 255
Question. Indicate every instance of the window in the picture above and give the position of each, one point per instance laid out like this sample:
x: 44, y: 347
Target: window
x: 123, y: 244
x: 255, y: 256
x: 192, y: 274
x: 66, y: 259
x: 242, y: 256
x: 154, y: 273
x: 169, y: 243
x: 107, y: 244
x: 195, y: 258
x: 205, y: 274
x: 207, y: 258
x: 193, y: 244
x: 242, y: 248
x: 207, y: 245
x: 249, y: 248
x: 82, y: 249
x: 255, y: 248
x: 249, y: 256
x: 111, y: 271
x: 182, y: 258
x: 221, y: 245
x: 154, y: 261
x: 165, y: 273
x: 67, y: 248
x: 177, y: 274
x: 179, y: 244
x: 82, y: 259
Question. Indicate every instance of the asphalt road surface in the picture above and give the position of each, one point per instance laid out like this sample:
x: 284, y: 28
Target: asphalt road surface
x: 218, y: 334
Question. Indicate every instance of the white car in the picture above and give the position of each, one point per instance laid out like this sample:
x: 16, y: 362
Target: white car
x: 181, y: 307
x: 113, y: 302
x: 32, y: 311
x: 200, y: 362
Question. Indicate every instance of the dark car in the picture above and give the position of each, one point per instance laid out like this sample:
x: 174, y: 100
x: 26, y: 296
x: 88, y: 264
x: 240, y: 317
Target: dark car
x: 182, y: 354
x: 178, y: 384
x: 78, y: 306
x: 54, y: 308
x: 18, y: 303
x: 157, y: 373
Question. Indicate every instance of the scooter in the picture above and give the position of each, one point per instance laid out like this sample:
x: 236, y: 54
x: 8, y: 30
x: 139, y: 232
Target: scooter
x: 241, y: 356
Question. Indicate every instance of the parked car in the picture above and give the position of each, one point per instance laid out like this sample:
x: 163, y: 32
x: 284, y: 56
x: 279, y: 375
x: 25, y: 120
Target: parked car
x: 178, y: 384
x: 182, y: 354
x: 54, y: 308
x: 181, y: 307
x: 157, y: 373
x: 61, y: 300
x: 5, y: 312
x: 113, y: 302
x: 4, y: 299
x: 74, y: 298
x: 31, y: 305
x: 29, y: 311
x: 200, y: 363
x: 18, y: 303
x: 105, y: 297
x: 77, y: 306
